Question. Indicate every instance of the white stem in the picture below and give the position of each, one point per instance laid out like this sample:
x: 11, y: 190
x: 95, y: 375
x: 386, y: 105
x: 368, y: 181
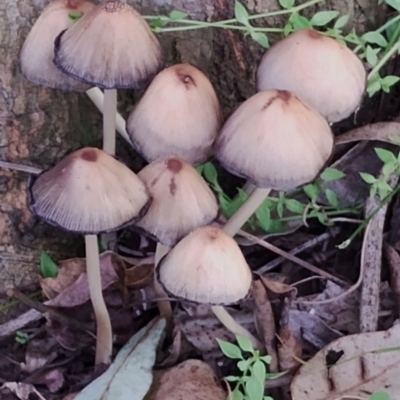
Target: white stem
x: 228, y: 321
x: 164, y: 306
x: 97, y: 97
x: 103, y: 324
x: 109, y: 121
x: 247, y: 209
x: 249, y: 188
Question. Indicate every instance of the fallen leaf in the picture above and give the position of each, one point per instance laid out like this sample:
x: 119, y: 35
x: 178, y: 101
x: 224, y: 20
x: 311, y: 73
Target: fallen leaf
x: 382, y: 131
x: 130, y: 375
x: 362, y: 364
x: 53, y: 379
x: 139, y: 276
x: 289, y: 350
x: 22, y: 390
x: 39, y: 353
x: 190, y: 380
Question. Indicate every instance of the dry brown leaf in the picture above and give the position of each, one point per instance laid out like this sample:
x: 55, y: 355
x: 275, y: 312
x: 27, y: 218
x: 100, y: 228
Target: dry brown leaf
x: 22, y: 390
x: 277, y: 287
x: 361, y: 366
x: 190, y: 380
x: 139, y: 276
x: 289, y: 350
x: 382, y: 131
x: 39, y: 353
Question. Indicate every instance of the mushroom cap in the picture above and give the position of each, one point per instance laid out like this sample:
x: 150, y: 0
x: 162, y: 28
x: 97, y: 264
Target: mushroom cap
x: 275, y: 141
x: 110, y: 47
x: 37, y: 53
x: 88, y: 192
x: 206, y: 266
x: 181, y: 200
x: 179, y: 115
x: 319, y: 70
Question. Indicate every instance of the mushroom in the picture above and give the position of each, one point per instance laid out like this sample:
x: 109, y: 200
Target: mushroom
x: 37, y: 53
x: 90, y: 192
x: 110, y: 47
x: 181, y: 200
x: 319, y: 70
x: 208, y: 267
x: 276, y: 142
x: 179, y: 115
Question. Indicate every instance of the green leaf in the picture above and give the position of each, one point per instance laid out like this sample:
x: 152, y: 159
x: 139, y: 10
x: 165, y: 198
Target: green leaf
x: 294, y: 206
x: 230, y: 350
x: 232, y: 378
x: 370, y: 179
x: 374, y: 86
x: 394, y: 4
x: 200, y: 169
x: 176, y: 15
x: 385, y: 155
x: 371, y: 56
x: 384, y: 189
x: 322, y: 18
x: 241, y: 13
x: 311, y: 190
x: 279, y: 209
x: 157, y: 23
x: 331, y: 197
x: 266, y: 359
x: 254, y: 389
x: 261, y: 38
x: 379, y: 396
x: 48, y: 268
x: 388, y: 81
x: 228, y: 207
x: 287, y: 29
x: 341, y: 21
x: 75, y: 16
x: 375, y: 38
x: 299, y: 22
x: 237, y: 394
x: 244, y: 343
x: 395, y: 140
x: 259, y: 371
x: 263, y: 215
x: 210, y: 174
x: 243, y: 365
x: 130, y: 375
x: 331, y: 174
x: 286, y: 3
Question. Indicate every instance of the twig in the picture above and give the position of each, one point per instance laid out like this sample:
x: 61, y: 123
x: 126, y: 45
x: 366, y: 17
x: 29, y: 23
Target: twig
x: 19, y: 167
x: 293, y: 258
x: 305, y: 246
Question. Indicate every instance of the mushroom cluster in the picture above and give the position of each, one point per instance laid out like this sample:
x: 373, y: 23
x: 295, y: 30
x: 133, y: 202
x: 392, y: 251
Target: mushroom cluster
x: 279, y: 138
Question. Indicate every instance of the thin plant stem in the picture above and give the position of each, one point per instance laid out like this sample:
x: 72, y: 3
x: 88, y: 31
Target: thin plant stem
x: 384, y: 60
x: 205, y: 25
x: 109, y: 120
x: 103, y: 323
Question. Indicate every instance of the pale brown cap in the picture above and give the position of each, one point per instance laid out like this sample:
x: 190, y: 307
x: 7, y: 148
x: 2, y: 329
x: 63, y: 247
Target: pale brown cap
x: 319, y: 70
x: 181, y: 200
x: 179, y: 115
x: 110, y: 47
x: 206, y: 266
x: 37, y: 53
x: 89, y: 192
x: 275, y: 141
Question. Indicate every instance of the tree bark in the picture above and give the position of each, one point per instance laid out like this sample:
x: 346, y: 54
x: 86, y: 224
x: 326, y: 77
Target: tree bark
x: 39, y: 125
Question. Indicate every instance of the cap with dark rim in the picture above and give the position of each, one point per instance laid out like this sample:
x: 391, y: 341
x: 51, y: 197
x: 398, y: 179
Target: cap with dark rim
x: 319, y: 70
x: 275, y: 141
x: 37, y: 53
x: 181, y: 200
x: 89, y: 192
x: 179, y: 115
x: 206, y: 266
x: 111, y: 47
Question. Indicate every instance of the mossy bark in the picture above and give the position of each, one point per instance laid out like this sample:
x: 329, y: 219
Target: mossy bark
x: 39, y: 125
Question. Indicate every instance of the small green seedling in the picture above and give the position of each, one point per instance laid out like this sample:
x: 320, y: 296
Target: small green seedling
x: 253, y: 368
x: 21, y: 337
x: 48, y: 267
x: 379, y: 396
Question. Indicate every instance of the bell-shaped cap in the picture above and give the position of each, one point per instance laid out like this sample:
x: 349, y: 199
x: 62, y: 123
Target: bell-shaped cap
x: 275, y: 141
x: 37, y: 53
x: 179, y: 115
x: 110, y: 47
x: 181, y: 200
x: 206, y: 266
x: 89, y: 192
x: 319, y: 70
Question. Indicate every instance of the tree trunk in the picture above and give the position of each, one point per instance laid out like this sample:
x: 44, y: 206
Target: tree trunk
x: 39, y: 125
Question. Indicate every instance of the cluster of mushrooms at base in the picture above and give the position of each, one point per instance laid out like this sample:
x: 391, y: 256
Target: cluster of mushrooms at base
x: 278, y: 139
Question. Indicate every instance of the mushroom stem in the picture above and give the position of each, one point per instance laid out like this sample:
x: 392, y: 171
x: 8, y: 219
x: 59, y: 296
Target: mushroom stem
x: 164, y: 306
x: 109, y: 120
x: 103, y: 324
x: 247, y: 209
x: 229, y: 322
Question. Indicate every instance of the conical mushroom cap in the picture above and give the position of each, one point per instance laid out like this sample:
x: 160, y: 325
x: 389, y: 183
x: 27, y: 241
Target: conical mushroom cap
x: 275, y: 141
x: 181, y: 200
x: 38, y: 50
x: 110, y: 47
x: 319, y: 70
x: 179, y: 115
x: 89, y: 192
x: 206, y: 266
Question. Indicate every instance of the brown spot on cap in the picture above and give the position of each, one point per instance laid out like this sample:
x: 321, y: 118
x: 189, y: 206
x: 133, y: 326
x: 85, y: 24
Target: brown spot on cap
x: 73, y: 4
x: 185, y: 77
x: 174, y: 165
x: 112, y: 6
x: 314, y: 34
x: 284, y: 95
x: 212, y: 234
x: 89, y: 155
x: 172, y: 187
